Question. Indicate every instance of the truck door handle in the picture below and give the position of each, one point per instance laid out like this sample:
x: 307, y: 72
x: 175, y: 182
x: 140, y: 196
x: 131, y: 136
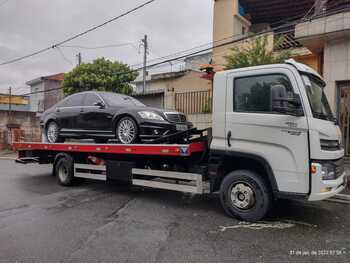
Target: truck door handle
x: 229, y: 134
x: 58, y: 110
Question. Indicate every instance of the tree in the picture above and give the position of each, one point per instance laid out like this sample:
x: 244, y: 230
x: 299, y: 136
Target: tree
x: 255, y: 54
x: 101, y: 75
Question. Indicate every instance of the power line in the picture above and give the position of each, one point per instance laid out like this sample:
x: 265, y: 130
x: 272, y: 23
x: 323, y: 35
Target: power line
x: 77, y: 35
x: 63, y: 56
x: 101, y: 47
x: 198, y: 51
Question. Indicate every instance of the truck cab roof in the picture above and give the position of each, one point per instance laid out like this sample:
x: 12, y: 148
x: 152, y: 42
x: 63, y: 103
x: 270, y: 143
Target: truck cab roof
x: 290, y: 62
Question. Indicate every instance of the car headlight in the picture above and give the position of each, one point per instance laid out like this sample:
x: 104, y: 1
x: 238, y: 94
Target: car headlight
x: 328, y: 172
x: 149, y: 115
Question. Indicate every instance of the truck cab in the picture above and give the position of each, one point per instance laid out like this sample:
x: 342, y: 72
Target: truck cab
x: 275, y: 122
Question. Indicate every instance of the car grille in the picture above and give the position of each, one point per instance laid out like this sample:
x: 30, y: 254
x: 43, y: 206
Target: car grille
x: 176, y: 117
x: 330, y: 145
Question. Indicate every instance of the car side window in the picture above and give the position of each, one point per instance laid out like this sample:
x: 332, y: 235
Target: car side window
x: 72, y: 101
x: 90, y: 99
x: 254, y: 93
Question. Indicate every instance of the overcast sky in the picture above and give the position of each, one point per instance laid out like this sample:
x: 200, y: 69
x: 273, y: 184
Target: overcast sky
x: 29, y: 25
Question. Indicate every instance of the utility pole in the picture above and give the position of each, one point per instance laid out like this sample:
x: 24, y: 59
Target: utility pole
x: 9, y: 121
x: 145, y: 45
x: 79, y: 59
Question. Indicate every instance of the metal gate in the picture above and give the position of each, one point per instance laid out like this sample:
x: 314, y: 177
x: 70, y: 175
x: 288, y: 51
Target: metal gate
x: 344, y: 117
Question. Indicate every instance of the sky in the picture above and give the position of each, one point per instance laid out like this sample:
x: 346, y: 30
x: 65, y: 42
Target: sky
x: 30, y: 25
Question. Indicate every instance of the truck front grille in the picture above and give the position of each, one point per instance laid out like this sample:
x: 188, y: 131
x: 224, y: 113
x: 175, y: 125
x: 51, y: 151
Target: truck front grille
x: 330, y: 145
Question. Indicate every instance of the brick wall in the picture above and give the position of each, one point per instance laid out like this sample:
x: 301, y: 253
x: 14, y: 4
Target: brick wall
x: 26, y: 127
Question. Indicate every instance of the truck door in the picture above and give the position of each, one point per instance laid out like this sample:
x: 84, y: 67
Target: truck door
x: 254, y: 127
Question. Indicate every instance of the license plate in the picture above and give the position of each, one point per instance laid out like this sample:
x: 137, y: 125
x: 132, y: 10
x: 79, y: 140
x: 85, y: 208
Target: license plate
x: 181, y: 127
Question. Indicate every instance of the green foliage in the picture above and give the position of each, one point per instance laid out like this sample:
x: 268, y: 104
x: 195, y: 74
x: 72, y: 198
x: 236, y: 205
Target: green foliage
x: 256, y: 54
x: 101, y: 75
x: 207, y: 108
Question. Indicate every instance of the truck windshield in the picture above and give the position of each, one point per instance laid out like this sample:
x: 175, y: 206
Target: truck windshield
x: 317, y: 98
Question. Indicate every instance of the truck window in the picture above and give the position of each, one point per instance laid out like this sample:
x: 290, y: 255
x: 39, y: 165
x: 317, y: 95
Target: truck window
x: 253, y: 93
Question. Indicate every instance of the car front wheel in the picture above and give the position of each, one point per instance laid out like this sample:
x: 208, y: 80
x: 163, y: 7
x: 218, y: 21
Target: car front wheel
x: 127, y: 131
x: 52, y: 133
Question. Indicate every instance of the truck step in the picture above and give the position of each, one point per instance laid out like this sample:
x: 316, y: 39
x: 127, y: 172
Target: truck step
x: 175, y: 181
x: 88, y: 171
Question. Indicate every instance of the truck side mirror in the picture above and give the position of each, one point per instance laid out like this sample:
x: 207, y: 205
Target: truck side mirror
x: 283, y: 103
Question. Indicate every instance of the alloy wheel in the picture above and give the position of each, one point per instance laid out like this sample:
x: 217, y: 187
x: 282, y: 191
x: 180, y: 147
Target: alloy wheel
x: 126, y: 131
x: 52, y: 132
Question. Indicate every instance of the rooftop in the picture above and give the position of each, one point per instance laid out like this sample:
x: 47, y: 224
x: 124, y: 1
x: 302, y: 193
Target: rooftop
x: 55, y: 77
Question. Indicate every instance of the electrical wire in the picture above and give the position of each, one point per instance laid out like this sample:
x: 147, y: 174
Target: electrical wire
x: 200, y: 51
x: 77, y: 35
x: 63, y: 56
x: 100, y: 47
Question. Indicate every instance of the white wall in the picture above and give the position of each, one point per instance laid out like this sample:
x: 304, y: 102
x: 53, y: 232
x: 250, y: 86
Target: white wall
x: 37, y: 100
x: 336, y: 66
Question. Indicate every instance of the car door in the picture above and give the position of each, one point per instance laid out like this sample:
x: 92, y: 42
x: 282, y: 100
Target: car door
x: 253, y: 127
x: 95, y: 118
x: 67, y: 112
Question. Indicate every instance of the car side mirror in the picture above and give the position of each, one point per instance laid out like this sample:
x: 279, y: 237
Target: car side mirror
x: 284, y: 103
x: 100, y: 104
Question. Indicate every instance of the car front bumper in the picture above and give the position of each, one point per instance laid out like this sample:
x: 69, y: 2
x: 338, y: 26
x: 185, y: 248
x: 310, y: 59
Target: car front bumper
x: 155, y: 130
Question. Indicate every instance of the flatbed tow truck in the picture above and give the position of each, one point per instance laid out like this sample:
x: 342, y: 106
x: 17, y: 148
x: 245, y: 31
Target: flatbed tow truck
x: 273, y: 136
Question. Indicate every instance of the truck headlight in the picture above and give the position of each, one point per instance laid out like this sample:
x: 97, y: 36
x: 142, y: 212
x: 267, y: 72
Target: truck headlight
x: 149, y: 115
x: 328, y: 172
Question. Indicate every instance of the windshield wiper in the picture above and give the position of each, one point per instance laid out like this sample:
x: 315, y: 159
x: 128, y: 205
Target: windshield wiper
x: 323, y: 116
x: 320, y: 115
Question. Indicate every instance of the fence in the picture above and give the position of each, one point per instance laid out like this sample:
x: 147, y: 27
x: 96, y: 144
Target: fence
x: 194, y: 102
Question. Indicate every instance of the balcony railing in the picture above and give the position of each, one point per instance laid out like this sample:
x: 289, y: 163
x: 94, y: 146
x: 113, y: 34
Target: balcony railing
x: 286, y: 40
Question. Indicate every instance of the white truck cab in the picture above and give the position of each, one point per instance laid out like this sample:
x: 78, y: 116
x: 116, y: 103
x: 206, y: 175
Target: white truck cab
x: 276, y: 119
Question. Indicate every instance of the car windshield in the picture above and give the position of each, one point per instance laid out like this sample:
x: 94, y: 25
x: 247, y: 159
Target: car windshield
x: 317, y: 98
x: 114, y: 99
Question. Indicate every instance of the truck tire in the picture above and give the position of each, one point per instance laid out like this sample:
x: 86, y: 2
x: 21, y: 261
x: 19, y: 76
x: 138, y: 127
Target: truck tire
x: 64, y: 171
x: 245, y: 195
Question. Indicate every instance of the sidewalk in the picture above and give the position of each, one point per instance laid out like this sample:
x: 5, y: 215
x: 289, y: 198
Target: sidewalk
x: 7, y: 154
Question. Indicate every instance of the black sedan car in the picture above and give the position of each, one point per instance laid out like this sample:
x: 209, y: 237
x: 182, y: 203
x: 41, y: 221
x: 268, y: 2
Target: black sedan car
x: 103, y: 115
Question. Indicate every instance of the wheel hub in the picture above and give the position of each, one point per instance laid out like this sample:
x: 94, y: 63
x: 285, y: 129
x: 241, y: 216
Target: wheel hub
x: 63, y: 173
x: 242, y: 196
x: 126, y: 131
x: 52, y: 132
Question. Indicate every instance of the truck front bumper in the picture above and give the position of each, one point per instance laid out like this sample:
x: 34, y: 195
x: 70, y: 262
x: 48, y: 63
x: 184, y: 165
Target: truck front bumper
x: 324, y: 189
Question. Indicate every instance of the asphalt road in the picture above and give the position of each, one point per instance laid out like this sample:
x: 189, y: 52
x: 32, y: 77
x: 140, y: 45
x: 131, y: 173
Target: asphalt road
x: 41, y: 221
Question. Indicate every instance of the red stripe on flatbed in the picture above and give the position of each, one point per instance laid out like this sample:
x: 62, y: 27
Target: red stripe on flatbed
x: 137, y: 149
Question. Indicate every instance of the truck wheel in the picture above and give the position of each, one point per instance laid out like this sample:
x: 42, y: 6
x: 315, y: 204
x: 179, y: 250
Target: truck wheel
x: 245, y: 195
x: 64, y: 171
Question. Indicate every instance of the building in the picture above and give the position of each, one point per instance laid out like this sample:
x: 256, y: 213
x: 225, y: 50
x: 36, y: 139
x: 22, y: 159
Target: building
x: 237, y: 19
x: 18, y: 102
x: 41, y: 99
x: 327, y: 34
x: 164, y: 89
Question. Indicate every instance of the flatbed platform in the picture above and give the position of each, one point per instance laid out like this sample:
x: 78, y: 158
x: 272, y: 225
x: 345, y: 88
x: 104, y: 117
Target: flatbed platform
x: 129, y: 149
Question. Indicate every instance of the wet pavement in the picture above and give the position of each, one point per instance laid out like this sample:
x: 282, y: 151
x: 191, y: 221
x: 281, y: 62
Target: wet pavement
x: 41, y: 221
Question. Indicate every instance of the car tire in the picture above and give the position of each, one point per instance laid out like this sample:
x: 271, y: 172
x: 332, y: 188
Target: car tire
x: 64, y: 171
x: 126, y: 130
x: 245, y: 195
x: 52, y: 133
